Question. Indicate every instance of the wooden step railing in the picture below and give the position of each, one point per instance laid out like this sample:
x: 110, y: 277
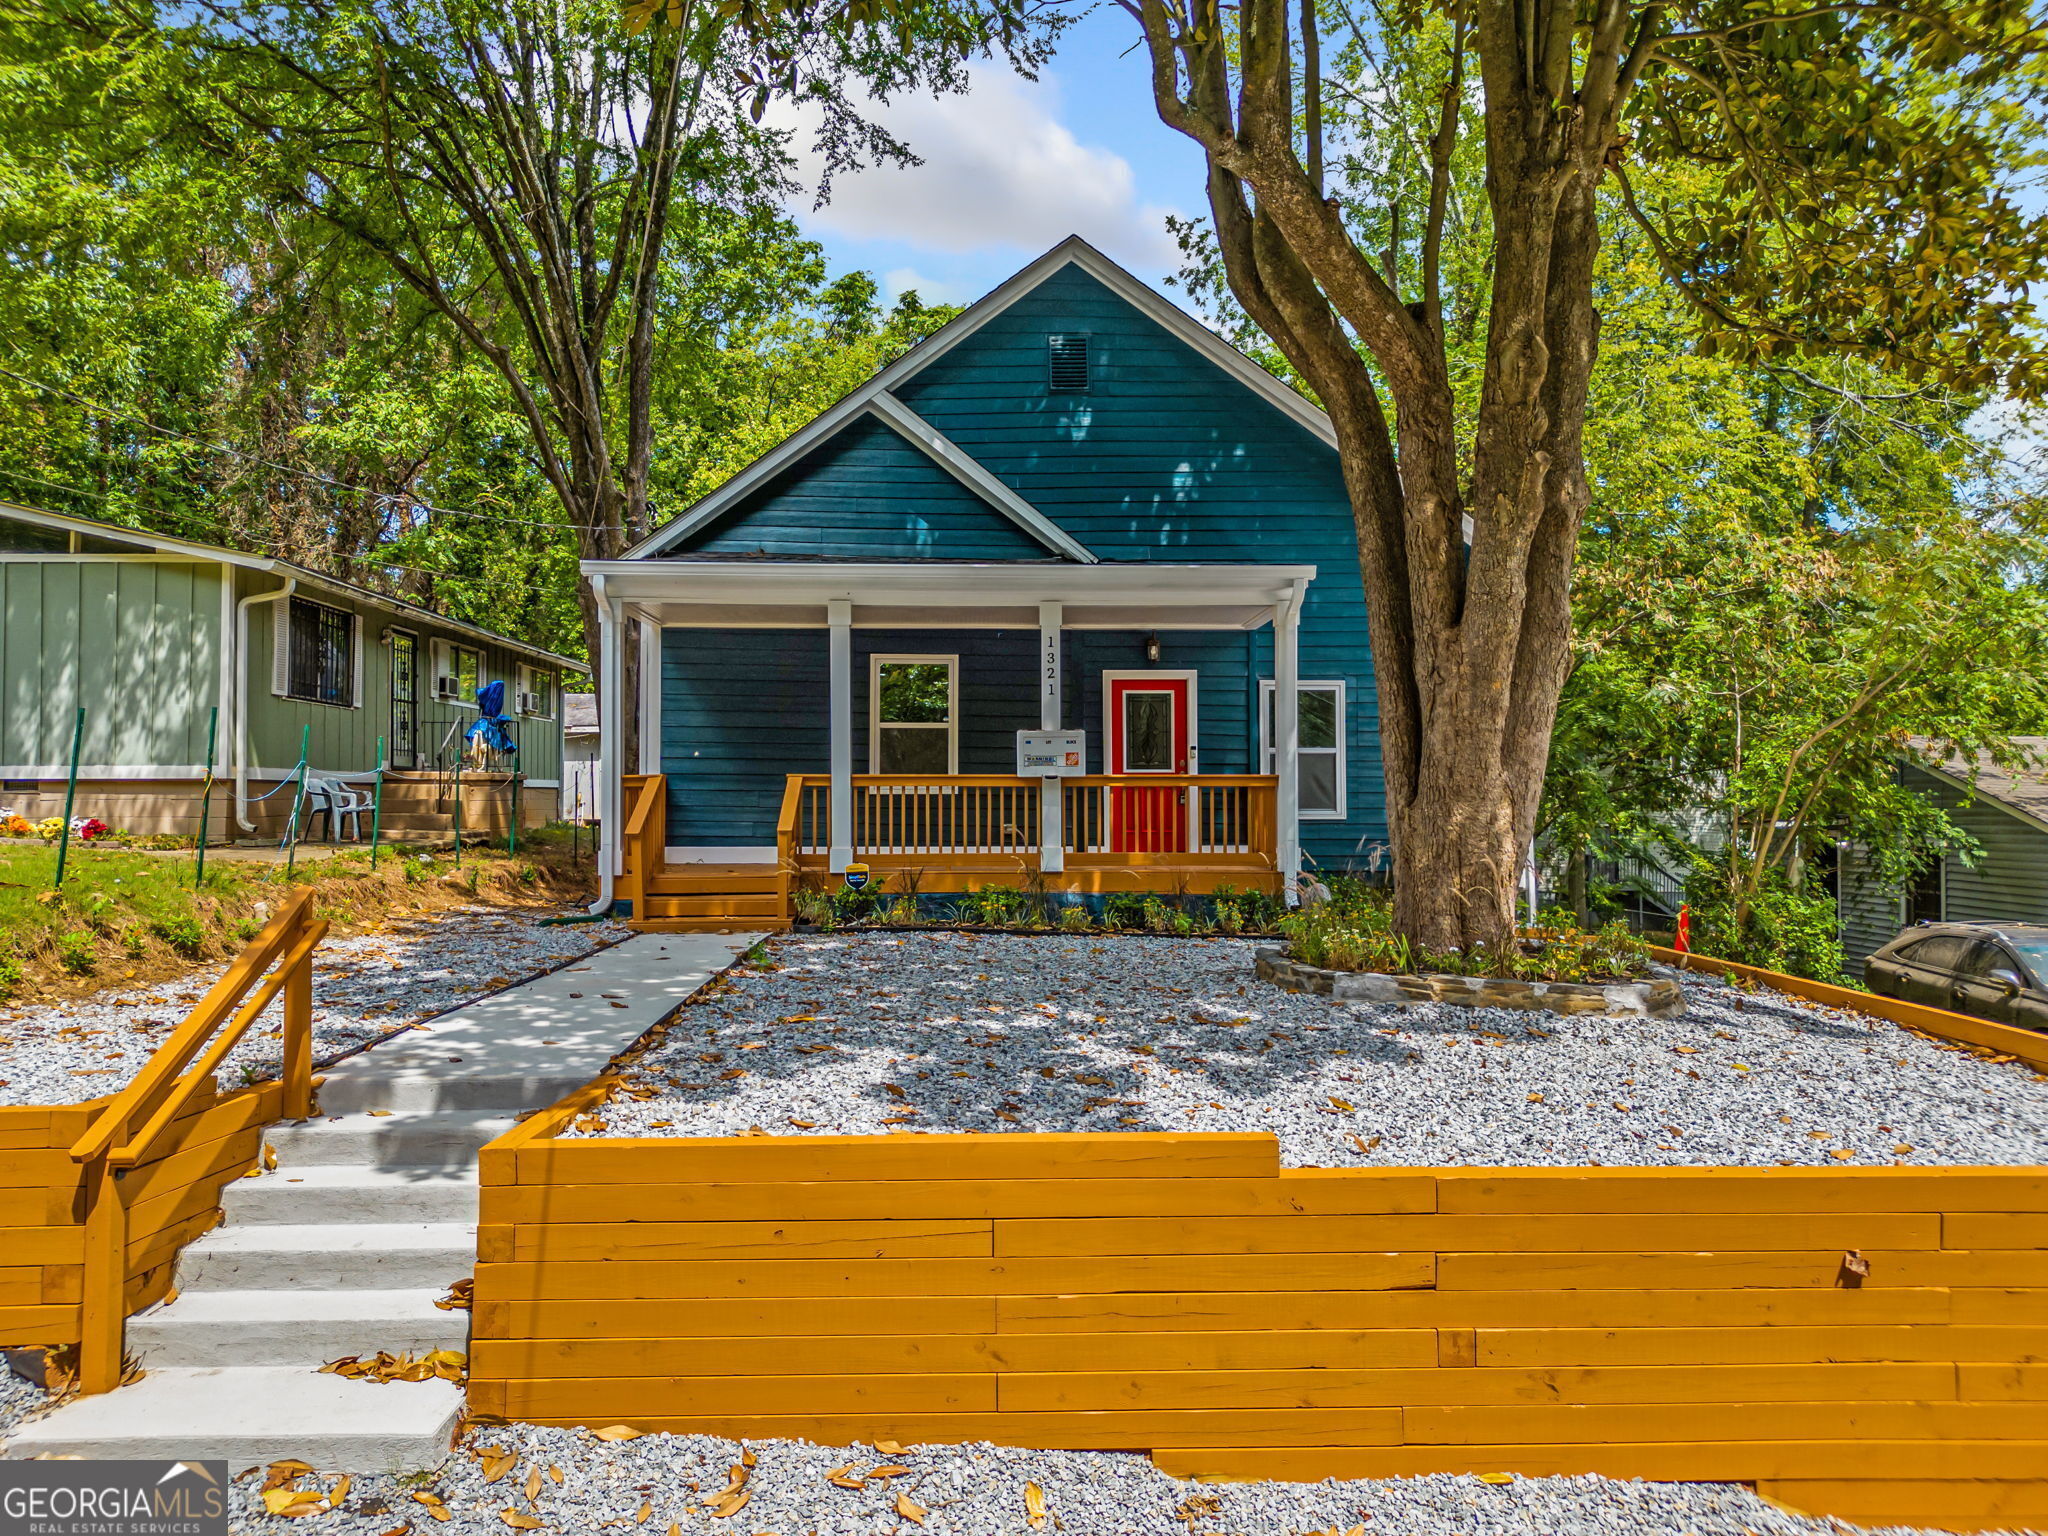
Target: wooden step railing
x: 643, y: 837
x: 128, y: 1129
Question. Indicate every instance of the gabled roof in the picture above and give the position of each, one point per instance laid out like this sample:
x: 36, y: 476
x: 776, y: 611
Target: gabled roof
x: 878, y: 397
x: 242, y: 560
x: 2023, y: 794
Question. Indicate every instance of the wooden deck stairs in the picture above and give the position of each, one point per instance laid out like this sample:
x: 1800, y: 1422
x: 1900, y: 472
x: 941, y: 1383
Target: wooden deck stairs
x: 707, y: 898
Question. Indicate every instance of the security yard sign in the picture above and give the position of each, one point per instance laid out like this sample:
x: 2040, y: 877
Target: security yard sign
x: 1051, y: 754
x: 856, y: 877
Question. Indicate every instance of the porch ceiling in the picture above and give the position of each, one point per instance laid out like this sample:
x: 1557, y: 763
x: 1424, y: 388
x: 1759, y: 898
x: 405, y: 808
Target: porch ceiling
x: 794, y: 594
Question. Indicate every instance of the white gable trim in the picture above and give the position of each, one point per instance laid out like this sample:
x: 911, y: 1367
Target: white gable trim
x: 938, y: 447
x: 1073, y: 251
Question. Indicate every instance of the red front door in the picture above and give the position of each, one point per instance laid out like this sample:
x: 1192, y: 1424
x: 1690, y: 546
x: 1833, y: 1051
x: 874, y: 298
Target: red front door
x: 1150, y: 731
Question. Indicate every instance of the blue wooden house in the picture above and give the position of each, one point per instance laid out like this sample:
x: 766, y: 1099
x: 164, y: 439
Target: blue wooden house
x: 1074, y: 509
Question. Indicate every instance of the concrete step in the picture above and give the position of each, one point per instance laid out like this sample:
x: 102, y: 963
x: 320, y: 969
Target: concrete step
x: 397, y: 1090
x: 414, y: 1139
x: 351, y: 1193
x: 369, y: 1256
x: 310, y: 1328
x: 249, y: 1416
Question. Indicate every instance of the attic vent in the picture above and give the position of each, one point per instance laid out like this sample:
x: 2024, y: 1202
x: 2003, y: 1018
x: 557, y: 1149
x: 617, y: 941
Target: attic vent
x: 1066, y: 365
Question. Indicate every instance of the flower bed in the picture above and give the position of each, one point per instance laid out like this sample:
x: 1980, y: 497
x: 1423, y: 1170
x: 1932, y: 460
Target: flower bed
x: 1657, y: 999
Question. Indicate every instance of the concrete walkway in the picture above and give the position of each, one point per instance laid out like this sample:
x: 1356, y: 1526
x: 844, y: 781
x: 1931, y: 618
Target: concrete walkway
x: 369, y: 1216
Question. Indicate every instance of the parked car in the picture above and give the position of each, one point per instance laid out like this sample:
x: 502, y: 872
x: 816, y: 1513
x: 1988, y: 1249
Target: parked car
x: 1986, y: 970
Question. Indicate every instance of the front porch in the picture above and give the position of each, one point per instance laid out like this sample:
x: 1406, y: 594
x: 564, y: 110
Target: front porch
x: 932, y: 675
x: 1183, y: 834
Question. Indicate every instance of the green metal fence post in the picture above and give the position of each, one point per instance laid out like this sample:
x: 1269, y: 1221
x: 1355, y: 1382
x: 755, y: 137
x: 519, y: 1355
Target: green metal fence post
x: 291, y: 853
x: 70, y: 796
x: 458, y: 807
x: 206, y: 795
x: 377, y: 805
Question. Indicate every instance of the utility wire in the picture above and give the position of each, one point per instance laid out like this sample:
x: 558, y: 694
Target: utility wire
x: 287, y: 469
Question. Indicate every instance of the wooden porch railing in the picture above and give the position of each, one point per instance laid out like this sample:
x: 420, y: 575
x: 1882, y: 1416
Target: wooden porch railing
x: 1107, y: 818
x: 643, y: 839
x: 124, y: 1133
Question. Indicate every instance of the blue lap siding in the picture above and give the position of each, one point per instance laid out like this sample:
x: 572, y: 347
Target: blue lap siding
x: 1166, y: 457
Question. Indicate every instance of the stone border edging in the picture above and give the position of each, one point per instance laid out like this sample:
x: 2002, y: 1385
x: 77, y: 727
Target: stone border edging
x: 1655, y: 999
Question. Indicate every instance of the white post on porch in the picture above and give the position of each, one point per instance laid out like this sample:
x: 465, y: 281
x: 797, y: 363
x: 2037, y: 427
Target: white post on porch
x: 611, y: 707
x: 1052, y: 838
x: 839, y: 614
x: 1287, y: 739
x: 650, y: 696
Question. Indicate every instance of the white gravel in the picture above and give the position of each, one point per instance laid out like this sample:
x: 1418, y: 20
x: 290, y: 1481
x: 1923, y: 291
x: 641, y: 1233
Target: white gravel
x: 870, y: 1033
x: 363, y: 988
x: 19, y: 1401
x: 661, y: 1481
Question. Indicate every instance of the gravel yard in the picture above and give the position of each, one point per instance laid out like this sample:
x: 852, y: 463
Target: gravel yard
x: 660, y: 1481
x: 18, y: 1400
x: 870, y: 1033
x: 364, y: 987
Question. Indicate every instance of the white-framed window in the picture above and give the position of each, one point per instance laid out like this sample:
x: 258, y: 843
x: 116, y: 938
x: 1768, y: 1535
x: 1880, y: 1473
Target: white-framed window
x: 536, y: 692
x: 913, y: 714
x: 314, y: 653
x: 1320, y: 758
x: 458, y: 673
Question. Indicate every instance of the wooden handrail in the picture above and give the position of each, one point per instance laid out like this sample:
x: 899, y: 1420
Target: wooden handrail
x: 643, y: 806
x: 176, y: 1072
x: 1010, y: 780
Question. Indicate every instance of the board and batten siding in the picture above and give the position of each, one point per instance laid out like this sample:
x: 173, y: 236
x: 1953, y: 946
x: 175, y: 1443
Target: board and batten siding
x: 136, y: 641
x: 344, y: 739
x: 2005, y: 882
x: 1165, y: 458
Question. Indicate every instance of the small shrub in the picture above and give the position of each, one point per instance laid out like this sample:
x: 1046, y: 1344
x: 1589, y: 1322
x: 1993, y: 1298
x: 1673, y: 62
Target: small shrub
x: 182, y: 933
x: 1353, y: 931
x: 1154, y: 915
x: 75, y: 953
x: 1124, y: 911
x: 11, y: 976
x: 131, y: 941
x: 1229, y: 917
x: 1074, y: 919
x: 418, y: 870
x: 95, y: 907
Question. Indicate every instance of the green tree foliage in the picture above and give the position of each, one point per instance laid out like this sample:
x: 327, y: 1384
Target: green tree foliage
x: 242, y: 308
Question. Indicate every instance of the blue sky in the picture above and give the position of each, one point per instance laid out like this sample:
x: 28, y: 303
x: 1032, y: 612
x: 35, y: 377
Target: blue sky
x: 1014, y: 166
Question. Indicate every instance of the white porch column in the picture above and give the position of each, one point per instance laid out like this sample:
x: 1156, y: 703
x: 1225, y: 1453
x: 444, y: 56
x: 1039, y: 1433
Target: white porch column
x: 650, y: 696
x: 1287, y: 739
x: 1052, y: 840
x: 839, y: 614
x: 611, y: 707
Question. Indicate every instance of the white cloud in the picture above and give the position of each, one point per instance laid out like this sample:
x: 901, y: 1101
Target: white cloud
x: 999, y: 168
x: 933, y: 290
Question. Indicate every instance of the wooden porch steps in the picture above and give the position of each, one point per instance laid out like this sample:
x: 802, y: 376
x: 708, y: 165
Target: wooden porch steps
x: 698, y: 898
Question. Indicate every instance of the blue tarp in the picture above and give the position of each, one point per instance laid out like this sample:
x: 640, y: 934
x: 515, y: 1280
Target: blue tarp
x: 490, y: 730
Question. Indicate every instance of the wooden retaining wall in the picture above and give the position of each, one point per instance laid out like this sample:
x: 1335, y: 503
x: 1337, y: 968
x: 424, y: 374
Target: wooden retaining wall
x: 1184, y: 1295
x: 171, y: 1199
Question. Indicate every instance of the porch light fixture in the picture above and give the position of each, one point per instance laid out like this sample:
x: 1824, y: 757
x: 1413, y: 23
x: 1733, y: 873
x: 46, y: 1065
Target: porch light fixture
x: 1152, y: 649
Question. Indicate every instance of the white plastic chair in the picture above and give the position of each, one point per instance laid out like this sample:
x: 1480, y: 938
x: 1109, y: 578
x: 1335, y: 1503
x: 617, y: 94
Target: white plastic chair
x: 340, y: 803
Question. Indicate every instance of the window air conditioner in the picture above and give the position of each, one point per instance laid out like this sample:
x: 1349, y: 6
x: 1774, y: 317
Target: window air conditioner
x: 529, y: 703
x: 447, y: 687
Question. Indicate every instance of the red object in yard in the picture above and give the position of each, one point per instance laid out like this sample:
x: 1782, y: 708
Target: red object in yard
x: 1151, y: 721
x: 1684, y: 942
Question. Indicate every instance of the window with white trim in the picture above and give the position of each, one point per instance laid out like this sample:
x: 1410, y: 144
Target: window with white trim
x: 1320, y: 756
x: 458, y: 673
x: 313, y: 653
x: 913, y: 714
x: 536, y: 692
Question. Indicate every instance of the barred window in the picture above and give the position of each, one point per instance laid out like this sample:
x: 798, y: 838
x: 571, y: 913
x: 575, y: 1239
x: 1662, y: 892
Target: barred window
x: 320, y: 661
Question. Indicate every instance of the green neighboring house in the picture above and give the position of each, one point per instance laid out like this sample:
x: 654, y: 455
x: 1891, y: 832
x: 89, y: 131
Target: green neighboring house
x: 2007, y: 881
x: 151, y: 634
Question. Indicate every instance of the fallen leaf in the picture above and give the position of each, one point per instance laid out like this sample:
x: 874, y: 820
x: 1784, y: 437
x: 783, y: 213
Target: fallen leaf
x: 726, y: 1505
x: 1496, y: 1477
x: 519, y: 1522
x: 400, y: 1530
x: 282, y: 1472
x: 338, y: 1492
x: 1344, y: 1104
x: 888, y: 1448
x: 1034, y: 1505
x: 888, y: 1472
x: 1535, y: 1098
x: 533, y: 1485
x: 496, y: 1463
x: 910, y: 1509
x: 619, y: 1432
x: 646, y: 1510
x: 844, y: 1477
x: 434, y: 1506
x: 380, y: 1114
x: 293, y: 1502
x: 555, y: 1474
x: 269, y: 1158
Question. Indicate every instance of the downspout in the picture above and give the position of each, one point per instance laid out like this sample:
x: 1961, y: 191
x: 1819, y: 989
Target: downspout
x: 609, y: 698
x: 242, y: 696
